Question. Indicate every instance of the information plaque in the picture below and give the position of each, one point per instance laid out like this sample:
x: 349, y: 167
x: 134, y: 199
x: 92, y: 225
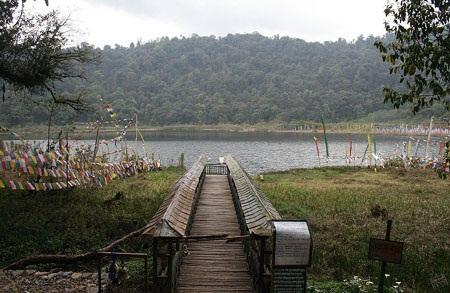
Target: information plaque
x: 292, y: 244
x: 289, y: 280
x: 292, y: 249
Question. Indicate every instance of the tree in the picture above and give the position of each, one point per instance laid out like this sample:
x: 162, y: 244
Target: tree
x: 235, y: 79
x: 419, y: 52
x: 33, y: 53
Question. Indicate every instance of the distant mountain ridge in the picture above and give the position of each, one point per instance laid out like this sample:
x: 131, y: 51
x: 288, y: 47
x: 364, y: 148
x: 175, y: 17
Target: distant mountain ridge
x: 240, y: 78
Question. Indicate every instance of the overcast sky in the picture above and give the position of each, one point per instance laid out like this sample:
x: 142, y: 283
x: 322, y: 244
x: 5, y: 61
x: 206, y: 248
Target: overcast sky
x: 103, y: 22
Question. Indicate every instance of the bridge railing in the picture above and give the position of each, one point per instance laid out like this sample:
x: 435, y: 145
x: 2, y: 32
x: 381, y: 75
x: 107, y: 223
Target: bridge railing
x: 216, y: 169
x: 255, y: 213
x: 171, y: 223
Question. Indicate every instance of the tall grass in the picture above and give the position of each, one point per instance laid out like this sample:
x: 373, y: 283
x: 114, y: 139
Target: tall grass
x: 338, y: 203
x: 79, y: 220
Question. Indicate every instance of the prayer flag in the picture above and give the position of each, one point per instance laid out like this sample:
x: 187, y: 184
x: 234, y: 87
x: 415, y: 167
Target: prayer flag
x: 29, y: 186
x: 12, y: 185
x: 30, y: 170
x: 33, y: 158
x: 20, y: 186
x: 41, y: 158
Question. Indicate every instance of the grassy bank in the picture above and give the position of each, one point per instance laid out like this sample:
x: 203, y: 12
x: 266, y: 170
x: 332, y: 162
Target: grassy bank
x: 79, y: 220
x: 338, y: 203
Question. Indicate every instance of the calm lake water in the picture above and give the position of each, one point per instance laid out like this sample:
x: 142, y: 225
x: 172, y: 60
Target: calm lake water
x: 260, y: 152
x: 264, y: 152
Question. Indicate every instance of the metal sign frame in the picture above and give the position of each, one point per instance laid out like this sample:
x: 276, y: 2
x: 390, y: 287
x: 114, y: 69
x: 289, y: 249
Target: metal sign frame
x: 274, y: 234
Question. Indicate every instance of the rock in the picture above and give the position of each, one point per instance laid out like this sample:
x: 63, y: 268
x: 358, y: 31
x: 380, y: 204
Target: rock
x: 92, y: 290
x: 86, y: 275
x: 30, y: 272
x: 52, y: 275
x: 76, y: 276
x: 16, y: 273
x: 66, y: 274
x: 39, y: 274
x: 55, y: 270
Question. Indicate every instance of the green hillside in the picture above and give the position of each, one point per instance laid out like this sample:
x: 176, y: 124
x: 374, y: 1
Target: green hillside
x: 234, y: 79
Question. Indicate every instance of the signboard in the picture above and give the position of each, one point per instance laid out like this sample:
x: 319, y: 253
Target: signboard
x: 385, y: 250
x: 289, y: 280
x: 292, y: 244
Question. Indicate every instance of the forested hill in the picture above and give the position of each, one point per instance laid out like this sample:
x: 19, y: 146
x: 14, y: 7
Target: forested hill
x: 237, y: 78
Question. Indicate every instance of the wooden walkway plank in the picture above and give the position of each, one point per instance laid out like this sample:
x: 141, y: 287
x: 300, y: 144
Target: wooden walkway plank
x: 215, y: 265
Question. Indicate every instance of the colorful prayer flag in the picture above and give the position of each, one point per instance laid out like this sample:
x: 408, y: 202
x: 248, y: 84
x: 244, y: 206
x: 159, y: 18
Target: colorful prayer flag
x: 29, y: 186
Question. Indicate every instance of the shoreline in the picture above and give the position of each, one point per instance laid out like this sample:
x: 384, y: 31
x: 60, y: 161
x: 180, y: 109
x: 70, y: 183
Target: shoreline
x: 32, y: 132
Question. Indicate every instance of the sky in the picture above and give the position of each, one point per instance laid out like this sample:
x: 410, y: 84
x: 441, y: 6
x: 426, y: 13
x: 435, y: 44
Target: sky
x: 109, y: 22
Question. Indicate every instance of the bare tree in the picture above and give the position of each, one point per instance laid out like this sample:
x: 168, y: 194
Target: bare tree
x: 34, y: 55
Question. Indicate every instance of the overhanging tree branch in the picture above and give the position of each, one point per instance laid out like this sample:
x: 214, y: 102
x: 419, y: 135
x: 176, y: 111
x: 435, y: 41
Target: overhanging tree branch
x: 33, y: 52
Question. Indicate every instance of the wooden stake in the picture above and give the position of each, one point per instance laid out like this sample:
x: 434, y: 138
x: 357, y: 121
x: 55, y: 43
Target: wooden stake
x: 383, y: 264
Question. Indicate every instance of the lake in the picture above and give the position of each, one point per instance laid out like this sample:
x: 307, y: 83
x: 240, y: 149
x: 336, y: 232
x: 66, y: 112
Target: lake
x: 264, y: 152
x: 259, y: 152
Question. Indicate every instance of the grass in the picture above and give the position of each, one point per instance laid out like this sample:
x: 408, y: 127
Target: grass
x: 79, y: 220
x: 338, y: 200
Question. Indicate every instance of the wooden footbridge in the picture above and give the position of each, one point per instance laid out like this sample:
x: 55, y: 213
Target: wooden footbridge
x: 211, y: 233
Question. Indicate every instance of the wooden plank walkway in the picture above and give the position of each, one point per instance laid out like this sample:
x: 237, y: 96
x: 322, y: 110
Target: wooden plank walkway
x: 215, y: 266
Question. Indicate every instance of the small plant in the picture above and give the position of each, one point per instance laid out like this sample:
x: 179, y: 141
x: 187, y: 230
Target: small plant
x: 355, y: 285
x: 443, y: 167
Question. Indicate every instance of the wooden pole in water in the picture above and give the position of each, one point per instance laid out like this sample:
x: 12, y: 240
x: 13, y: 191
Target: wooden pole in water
x: 317, y: 149
x: 67, y: 159
x: 325, y: 137
x: 50, y: 125
x: 429, y: 137
x: 136, y: 125
x: 417, y: 148
x: 364, y: 155
x: 96, y: 144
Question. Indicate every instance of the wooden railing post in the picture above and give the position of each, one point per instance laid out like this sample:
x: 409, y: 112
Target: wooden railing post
x: 170, y: 266
x: 262, y: 254
x: 155, y: 264
x: 146, y: 274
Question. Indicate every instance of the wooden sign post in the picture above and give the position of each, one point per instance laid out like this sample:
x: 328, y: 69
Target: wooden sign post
x: 292, y: 250
x: 386, y: 251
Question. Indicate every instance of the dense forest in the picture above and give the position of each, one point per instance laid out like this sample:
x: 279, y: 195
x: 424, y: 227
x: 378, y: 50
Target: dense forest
x: 234, y: 79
